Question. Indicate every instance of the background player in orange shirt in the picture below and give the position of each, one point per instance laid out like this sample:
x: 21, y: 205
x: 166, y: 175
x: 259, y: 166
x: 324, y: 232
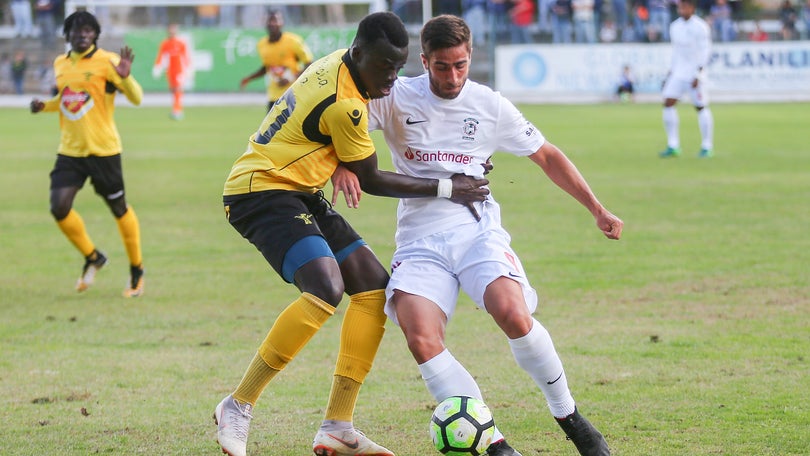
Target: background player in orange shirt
x: 173, y: 56
x: 284, y: 56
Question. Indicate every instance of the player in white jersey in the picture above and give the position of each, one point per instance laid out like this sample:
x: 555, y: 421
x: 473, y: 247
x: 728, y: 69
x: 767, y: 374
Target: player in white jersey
x: 437, y: 125
x: 691, y: 47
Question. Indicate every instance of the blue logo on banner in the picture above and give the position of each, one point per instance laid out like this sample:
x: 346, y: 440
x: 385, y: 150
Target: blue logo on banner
x: 529, y: 69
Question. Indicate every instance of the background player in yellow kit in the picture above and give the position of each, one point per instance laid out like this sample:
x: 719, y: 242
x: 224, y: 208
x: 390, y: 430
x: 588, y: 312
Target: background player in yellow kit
x: 284, y: 56
x: 87, y: 79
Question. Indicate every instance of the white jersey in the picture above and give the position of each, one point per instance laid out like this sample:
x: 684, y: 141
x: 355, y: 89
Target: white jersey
x: 691, y: 46
x: 435, y: 138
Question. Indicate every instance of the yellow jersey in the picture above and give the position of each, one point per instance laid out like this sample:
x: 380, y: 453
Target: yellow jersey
x: 282, y: 59
x: 87, y: 85
x: 320, y: 121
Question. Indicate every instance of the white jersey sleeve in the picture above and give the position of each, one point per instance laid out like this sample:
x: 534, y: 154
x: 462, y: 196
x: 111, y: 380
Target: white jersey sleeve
x: 435, y: 138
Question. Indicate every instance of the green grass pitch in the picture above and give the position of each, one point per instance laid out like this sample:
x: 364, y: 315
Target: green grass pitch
x: 690, y: 336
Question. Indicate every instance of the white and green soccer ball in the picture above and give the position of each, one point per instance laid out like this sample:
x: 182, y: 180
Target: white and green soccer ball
x: 462, y: 425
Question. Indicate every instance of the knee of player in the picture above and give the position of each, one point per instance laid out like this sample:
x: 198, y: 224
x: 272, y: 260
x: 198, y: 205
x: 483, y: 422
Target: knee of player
x: 118, y: 206
x: 424, y: 347
x: 60, y: 210
x: 330, y: 291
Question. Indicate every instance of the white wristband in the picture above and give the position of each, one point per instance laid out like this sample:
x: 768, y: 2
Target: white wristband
x: 445, y: 188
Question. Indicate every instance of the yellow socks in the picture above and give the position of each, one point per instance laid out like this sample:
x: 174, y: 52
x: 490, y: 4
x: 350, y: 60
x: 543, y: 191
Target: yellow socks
x: 73, y: 228
x: 293, y: 328
x: 360, y: 337
x: 131, y: 235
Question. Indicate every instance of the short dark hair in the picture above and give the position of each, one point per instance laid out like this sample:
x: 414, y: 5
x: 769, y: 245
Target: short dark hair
x: 80, y: 19
x: 691, y: 2
x: 443, y: 32
x: 385, y: 26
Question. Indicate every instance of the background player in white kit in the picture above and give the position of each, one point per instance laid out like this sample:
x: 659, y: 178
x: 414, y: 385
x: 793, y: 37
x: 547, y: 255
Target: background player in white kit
x: 436, y: 125
x: 691, y: 45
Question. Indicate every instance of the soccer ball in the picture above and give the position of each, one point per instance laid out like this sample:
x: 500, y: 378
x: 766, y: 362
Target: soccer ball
x: 462, y: 425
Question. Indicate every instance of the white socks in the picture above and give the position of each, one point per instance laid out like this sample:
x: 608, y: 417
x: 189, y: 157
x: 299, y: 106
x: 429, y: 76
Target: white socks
x: 535, y: 353
x: 706, y: 124
x: 671, y: 123
x: 444, y: 377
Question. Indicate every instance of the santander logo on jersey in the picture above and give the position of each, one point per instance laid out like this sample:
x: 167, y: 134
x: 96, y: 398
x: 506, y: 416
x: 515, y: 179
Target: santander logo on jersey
x: 437, y: 156
x: 75, y: 104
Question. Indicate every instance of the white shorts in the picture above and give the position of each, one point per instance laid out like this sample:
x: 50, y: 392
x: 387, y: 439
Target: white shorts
x: 675, y: 88
x: 435, y: 266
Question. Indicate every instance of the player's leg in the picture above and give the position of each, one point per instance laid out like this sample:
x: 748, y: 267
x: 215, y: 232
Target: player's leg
x: 672, y: 91
x: 176, y: 88
x: 108, y: 180
x: 304, y: 259
x: 705, y: 119
x: 362, y: 329
x: 67, y: 178
x: 501, y: 287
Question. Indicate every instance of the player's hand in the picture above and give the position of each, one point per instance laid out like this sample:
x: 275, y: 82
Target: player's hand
x: 346, y: 181
x: 468, y: 189
x: 610, y: 225
x: 282, y: 81
x: 243, y: 83
x: 488, y: 166
x: 695, y: 83
x: 125, y: 64
x: 37, y: 106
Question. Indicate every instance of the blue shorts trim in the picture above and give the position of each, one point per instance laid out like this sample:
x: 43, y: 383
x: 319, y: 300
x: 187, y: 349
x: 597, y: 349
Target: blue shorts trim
x: 346, y: 251
x: 302, y: 252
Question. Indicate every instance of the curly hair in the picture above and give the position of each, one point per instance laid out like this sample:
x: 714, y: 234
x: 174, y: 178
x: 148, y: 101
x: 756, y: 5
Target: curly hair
x: 382, y: 26
x: 80, y: 19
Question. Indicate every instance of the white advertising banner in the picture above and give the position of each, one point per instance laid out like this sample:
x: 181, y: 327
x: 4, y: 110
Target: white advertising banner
x: 745, y: 71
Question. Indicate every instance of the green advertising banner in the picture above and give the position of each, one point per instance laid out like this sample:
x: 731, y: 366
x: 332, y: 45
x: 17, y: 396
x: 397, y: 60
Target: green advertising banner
x: 220, y: 58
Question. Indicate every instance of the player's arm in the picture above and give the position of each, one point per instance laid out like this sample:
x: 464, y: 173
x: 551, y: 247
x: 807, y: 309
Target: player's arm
x: 126, y: 82
x: 372, y: 180
x: 51, y: 105
x: 256, y: 74
x: 565, y: 175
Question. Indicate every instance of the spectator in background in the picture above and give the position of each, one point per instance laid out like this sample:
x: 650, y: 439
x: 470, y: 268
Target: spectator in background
x: 641, y: 20
x: 788, y: 16
x: 560, y: 21
x: 660, y: 18
x: 498, y: 11
x: 620, y: 18
x: 522, y: 14
x: 475, y: 14
x: 208, y: 15
x: 805, y: 14
x: 46, y: 20
x: 608, y: 32
x: 758, y: 34
x: 584, y: 21
x: 626, y: 89
x: 722, y: 23
x: 23, y: 23
x: 18, y: 67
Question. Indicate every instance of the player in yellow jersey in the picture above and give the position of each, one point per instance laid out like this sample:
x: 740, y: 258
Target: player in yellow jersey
x: 87, y: 79
x: 273, y: 198
x: 284, y: 56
